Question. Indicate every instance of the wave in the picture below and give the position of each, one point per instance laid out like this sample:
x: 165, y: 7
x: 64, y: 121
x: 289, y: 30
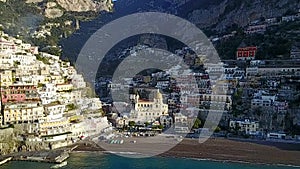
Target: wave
x: 120, y: 152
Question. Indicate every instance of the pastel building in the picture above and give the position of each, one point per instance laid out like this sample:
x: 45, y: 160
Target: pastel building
x: 5, y: 60
x: 148, y: 110
x: 19, y: 93
x: 57, y: 79
x: 27, y: 112
x: 64, y: 87
x: 54, y: 127
x: 6, y: 77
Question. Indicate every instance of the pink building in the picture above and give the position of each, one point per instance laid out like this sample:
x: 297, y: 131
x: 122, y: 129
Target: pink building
x: 19, y: 93
x: 13, y: 97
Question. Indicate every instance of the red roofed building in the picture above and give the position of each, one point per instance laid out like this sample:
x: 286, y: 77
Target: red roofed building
x: 246, y: 53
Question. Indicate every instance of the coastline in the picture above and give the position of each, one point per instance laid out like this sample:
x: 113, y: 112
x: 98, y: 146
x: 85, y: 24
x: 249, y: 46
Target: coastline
x: 214, y: 150
x: 219, y: 150
x: 224, y: 150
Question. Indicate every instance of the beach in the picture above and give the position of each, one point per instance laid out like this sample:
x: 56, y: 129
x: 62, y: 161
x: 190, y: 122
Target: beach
x: 259, y: 152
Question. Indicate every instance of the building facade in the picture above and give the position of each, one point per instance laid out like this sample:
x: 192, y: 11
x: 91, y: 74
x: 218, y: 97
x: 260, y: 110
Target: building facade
x: 246, y: 126
x: 148, y: 110
x: 246, y: 53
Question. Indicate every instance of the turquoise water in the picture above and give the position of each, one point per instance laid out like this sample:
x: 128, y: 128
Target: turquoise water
x: 88, y: 160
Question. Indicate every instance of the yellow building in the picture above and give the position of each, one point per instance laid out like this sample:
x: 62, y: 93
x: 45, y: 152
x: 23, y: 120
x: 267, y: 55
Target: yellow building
x: 28, y: 112
x: 64, y: 87
x: 54, y: 127
x: 6, y: 78
x: 149, y: 110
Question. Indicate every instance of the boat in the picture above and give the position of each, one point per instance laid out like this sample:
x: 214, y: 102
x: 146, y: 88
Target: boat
x: 5, y: 160
x: 60, y: 165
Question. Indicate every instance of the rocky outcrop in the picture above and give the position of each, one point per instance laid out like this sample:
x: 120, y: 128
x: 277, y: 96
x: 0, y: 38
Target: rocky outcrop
x: 33, y: 1
x: 8, y: 142
x: 85, y: 5
x: 56, y: 8
x: 53, y: 13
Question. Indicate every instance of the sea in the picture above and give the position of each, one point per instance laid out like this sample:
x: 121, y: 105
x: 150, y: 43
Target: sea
x: 98, y: 160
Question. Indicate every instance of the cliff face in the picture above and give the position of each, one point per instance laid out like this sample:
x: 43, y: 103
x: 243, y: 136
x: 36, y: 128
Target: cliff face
x: 56, y: 8
x: 240, y: 12
x: 85, y: 5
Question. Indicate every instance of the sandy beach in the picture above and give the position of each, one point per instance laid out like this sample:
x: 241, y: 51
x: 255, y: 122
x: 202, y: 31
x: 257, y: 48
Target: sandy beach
x: 213, y: 149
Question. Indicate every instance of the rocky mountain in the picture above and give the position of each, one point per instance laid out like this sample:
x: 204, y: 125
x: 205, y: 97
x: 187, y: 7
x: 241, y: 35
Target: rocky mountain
x: 46, y: 22
x: 85, y: 5
x: 34, y: 17
x: 241, y: 12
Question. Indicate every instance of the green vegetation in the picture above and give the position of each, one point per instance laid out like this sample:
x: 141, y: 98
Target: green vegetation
x: 218, y: 129
x: 158, y: 127
x: 237, y: 102
x: 40, y: 85
x: 90, y: 91
x: 131, y: 123
x: 16, y: 63
x: 197, y: 124
x: 275, y: 43
x: 147, y: 124
x: 71, y: 107
x: 12, y: 10
x: 21, y: 18
x: 43, y: 59
x: 101, y: 111
x: 53, y: 50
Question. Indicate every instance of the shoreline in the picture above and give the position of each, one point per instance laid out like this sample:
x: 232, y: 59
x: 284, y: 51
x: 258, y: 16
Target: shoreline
x: 222, y: 150
x: 214, y: 150
x: 197, y: 159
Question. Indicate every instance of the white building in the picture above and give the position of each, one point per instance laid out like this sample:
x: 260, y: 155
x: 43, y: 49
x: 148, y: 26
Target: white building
x: 263, y: 99
x: 78, y: 81
x: 247, y: 126
x: 181, y: 123
x: 48, y: 93
x: 162, y: 84
x: 54, y: 111
x: 276, y: 135
x: 69, y: 97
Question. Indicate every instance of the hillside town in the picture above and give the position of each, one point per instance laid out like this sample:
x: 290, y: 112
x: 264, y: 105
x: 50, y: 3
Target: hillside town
x: 259, y: 99
x: 45, y: 103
